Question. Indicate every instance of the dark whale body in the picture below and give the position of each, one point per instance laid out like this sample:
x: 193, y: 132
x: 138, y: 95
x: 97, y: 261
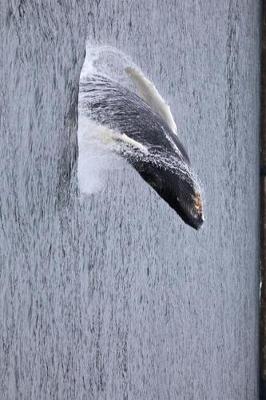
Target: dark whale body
x: 166, y: 165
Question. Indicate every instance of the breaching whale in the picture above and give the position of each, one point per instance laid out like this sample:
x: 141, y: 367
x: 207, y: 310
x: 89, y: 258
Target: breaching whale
x: 143, y: 126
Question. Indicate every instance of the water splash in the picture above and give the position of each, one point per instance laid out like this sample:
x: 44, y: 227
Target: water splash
x: 99, y: 145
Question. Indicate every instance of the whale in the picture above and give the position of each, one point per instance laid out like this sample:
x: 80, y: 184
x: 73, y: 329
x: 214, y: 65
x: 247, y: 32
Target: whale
x: 140, y: 122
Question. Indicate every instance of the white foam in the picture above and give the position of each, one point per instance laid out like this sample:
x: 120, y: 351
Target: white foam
x: 106, y: 60
x: 96, y: 156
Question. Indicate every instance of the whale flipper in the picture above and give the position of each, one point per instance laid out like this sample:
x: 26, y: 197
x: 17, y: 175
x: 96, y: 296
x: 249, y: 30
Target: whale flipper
x: 148, y: 92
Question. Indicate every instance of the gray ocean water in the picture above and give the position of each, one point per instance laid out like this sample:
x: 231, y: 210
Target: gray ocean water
x: 113, y: 297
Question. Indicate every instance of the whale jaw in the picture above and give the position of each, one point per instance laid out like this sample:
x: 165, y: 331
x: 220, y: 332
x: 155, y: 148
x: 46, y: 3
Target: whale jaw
x: 177, y: 188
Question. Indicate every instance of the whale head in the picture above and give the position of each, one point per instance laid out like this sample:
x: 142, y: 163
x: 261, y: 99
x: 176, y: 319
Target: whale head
x: 178, y: 188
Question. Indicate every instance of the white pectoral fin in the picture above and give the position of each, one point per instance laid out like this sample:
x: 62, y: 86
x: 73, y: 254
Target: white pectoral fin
x: 106, y: 136
x: 148, y: 92
x: 133, y: 143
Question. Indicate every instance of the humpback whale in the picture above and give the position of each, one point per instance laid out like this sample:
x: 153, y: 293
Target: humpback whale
x: 142, y: 125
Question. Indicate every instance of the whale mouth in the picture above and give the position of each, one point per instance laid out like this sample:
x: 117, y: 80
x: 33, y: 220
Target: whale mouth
x: 195, y: 221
